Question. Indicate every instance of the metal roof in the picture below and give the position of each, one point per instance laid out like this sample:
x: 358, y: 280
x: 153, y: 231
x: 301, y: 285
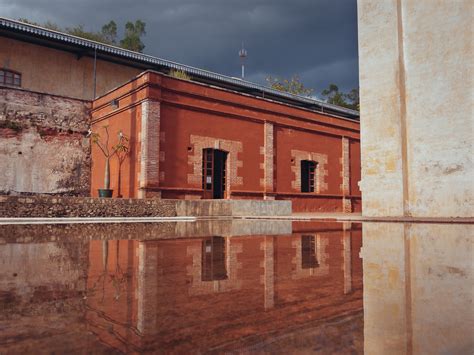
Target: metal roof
x: 34, y: 33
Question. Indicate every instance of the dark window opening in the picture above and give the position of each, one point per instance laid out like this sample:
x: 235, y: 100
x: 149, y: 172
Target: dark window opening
x: 213, y: 259
x: 213, y: 173
x: 308, y: 171
x: 308, y: 252
x: 8, y: 77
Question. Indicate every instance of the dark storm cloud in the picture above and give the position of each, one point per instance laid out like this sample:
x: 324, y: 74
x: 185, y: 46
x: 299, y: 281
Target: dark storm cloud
x: 316, y: 39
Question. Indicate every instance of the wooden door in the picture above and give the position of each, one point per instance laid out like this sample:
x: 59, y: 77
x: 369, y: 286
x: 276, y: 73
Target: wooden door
x: 214, y: 173
x: 208, y: 172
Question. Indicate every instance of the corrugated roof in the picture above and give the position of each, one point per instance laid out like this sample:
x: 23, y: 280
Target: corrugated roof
x: 158, y: 63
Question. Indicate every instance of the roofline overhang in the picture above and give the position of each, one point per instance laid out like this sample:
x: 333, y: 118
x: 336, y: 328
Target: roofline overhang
x: 83, y: 47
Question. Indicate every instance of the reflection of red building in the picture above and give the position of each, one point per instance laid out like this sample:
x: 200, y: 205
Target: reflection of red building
x: 213, y: 293
x: 191, y: 141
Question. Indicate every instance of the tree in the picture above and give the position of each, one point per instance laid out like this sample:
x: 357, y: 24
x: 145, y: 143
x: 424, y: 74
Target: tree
x: 133, y: 32
x: 121, y: 148
x: 353, y: 97
x: 292, y: 85
x: 109, y: 32
x: 334, y: 96
x: 107, y: 35
x: 80, y: 32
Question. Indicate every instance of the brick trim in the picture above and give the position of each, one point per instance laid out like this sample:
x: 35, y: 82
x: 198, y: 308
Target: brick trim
x: 149, y: 147
x: 198, y: 143
x: 346, y: 175
x: 268, y: 156
x: 321, y: 171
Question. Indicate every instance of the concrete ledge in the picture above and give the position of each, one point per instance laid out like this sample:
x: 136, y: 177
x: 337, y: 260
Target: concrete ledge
x: 233, y: 208
x: 357, y: 217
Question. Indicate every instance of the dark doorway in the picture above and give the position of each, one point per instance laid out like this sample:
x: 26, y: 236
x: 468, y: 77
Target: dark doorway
x: 308, y: 169
x: 213, y: 259
x: 308, y: 252
x: 214, y: 173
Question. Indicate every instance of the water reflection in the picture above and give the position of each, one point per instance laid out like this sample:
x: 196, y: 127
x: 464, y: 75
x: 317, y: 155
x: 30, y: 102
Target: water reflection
x: 418, y: 288
x: 297, y: 288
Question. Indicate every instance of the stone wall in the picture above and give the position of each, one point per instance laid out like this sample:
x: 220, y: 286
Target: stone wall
x: 43, y: 144
x: 52, y: 206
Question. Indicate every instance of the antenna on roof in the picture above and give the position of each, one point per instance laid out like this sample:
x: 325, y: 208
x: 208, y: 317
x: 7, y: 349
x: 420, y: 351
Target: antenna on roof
x: 243, y: 55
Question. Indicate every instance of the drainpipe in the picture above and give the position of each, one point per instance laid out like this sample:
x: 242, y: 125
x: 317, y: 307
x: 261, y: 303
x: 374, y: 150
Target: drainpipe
x: 95, y: 71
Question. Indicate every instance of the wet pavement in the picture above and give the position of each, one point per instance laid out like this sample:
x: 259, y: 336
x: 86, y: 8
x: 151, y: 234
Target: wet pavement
x: 236, y: 286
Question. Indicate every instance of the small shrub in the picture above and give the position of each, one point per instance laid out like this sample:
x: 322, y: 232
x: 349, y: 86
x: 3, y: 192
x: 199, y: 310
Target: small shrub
x: 179, y: 74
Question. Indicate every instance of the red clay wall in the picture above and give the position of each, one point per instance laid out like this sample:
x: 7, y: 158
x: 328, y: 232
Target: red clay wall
x: 192, y: 116
x: 179, y: 124
x: 129, y: 123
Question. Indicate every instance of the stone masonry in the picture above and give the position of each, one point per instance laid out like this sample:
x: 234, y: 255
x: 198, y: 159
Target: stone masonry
x: 58, y: 206
x: 43, y: 144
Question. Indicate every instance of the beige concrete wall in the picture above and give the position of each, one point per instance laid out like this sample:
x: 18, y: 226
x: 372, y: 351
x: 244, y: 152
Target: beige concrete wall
x: 52, y: 71
x: 28, y: 271
x: 418, y: 288
x: 416, y: 82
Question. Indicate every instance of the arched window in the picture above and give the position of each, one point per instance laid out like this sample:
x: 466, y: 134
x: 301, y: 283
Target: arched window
x: 308, y: 172
x: 9, y: 77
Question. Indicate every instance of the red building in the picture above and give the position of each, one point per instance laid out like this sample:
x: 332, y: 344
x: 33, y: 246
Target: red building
x: 194, y: 294
x: 192, y: 140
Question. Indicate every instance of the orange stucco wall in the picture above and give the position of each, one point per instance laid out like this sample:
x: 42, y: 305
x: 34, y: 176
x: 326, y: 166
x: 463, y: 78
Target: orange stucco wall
x: 57, y: 72
x: 193, y: 116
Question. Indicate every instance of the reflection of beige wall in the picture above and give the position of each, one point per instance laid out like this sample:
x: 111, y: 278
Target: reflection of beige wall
x: 61, y: 73
x: 416, y: 81
x: 24, y: 268
x: 418, y: 288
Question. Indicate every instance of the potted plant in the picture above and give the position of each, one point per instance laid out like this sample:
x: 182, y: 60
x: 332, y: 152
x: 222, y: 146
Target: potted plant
x: 120, y: 148
x: 122, y: 153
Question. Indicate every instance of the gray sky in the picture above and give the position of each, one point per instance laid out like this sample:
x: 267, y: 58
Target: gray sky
x: 315, y: 39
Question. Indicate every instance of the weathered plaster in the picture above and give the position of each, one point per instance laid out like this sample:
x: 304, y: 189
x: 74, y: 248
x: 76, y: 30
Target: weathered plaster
x: 43, y: 144
x: 416, y: 80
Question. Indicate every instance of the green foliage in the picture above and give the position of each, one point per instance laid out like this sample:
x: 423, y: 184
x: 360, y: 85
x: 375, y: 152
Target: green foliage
x: 107, y: 35
x: 109, y: 32
x: 333, y: 96
x: 179, y: 74
x: 292, y: 85
x: 133, y: 32
x: 49, y: 25
x: 80, y: 32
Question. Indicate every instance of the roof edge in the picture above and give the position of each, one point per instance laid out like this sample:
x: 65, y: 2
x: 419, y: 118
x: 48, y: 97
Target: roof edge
x: 151, y: 60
